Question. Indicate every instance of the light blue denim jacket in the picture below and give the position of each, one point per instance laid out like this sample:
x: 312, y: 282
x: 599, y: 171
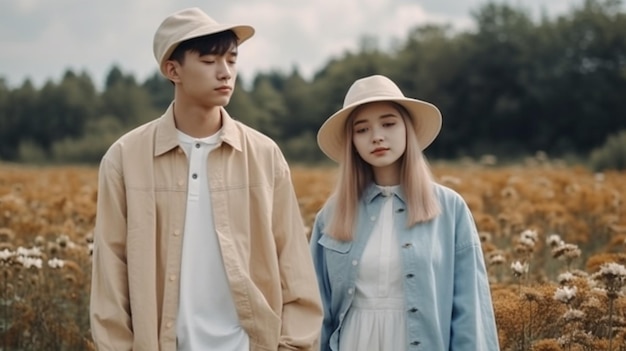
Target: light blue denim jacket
x: 447, y: 296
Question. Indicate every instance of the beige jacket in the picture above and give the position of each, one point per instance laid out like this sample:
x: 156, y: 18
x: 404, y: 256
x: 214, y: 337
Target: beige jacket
x: 138, y: 239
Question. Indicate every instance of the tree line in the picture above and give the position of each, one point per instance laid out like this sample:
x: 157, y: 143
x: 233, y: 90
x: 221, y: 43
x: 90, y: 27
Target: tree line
x: 511, y: 86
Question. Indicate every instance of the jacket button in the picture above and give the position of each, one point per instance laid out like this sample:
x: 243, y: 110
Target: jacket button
x: 415, y: 343
x: 413, y: 310
x: 410, y: 275
x: 407, y: 245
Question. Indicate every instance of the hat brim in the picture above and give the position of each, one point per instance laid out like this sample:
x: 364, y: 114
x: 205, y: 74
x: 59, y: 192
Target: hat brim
x: 425, y: 117
x: 243, y: 32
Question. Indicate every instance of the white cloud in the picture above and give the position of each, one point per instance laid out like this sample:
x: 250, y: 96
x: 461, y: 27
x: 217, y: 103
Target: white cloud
x: 308, y: 34
x: 26, y: 6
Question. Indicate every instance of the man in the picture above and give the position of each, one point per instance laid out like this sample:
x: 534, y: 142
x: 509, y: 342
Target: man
x: 199, y: 242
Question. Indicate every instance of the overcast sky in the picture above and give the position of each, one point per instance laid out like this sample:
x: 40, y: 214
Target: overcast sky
x: 41, y: 39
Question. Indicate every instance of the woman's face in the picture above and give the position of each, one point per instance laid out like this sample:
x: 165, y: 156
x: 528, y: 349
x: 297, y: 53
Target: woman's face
x: 379, y: 135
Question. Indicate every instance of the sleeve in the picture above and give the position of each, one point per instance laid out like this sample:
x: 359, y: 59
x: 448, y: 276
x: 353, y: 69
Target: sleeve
x: 319, y: 262
x: 302, y: 311
x: 109, y: 303
x: 473, y: 322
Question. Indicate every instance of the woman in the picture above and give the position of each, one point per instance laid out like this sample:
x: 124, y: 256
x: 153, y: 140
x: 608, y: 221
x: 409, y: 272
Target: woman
x: 398, y: 258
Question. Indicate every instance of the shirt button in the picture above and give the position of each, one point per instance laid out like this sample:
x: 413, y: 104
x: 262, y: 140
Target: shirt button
x: 176, y: 232
x: 354, y: 262
x: 172, y: 277
x: 181, y: 182
x: 194, y: 176
x: 179, y: 150
x: 415, y: 343
x: 350, y: 291
x: 197, y: 145
x: 169, y: 324
x: 410, y: 275
x: 373, y: 218
x: 413, y: 310
x: 407, y: 245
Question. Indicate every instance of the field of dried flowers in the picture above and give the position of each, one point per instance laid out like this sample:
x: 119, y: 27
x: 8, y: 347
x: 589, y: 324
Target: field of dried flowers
x: 554, y: 239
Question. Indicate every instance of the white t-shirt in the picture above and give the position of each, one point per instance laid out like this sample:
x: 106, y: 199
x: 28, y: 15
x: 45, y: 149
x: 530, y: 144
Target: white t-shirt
x: 207, y: 318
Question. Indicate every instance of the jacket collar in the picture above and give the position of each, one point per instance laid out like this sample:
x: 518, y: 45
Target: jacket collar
x: 166, y: 137
x: 372, y: 191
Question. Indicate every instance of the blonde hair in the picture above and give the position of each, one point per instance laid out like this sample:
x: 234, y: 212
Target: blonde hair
x: 355, y: 175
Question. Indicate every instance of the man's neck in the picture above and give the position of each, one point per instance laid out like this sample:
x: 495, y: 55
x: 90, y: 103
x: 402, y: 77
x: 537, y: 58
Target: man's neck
x: 197, y: 121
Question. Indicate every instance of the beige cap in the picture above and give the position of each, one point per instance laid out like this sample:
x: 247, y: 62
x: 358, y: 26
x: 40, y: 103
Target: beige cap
x: 187, y: 24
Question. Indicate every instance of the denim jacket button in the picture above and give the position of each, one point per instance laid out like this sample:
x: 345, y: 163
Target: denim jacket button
x: 350, y: 291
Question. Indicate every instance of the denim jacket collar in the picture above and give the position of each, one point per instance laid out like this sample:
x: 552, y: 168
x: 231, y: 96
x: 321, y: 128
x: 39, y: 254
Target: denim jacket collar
x: 372, y: 191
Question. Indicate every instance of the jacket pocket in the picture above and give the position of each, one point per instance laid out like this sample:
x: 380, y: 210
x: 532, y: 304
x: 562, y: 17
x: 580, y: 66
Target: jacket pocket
x: 333, y: 244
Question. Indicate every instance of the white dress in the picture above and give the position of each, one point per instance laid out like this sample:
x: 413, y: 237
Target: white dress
x: 377, y: 321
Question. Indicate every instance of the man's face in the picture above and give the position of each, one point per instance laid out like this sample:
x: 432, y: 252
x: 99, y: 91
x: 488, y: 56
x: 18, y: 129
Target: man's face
x: 208, y: 79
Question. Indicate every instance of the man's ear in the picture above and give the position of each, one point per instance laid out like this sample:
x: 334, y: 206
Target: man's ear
x: 171, y: 70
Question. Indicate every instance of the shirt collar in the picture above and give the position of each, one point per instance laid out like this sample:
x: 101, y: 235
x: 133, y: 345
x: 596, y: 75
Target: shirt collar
x: 166, y: 137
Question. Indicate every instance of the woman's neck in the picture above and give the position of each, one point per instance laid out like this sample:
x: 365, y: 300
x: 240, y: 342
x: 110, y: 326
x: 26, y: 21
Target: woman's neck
x: 388, y: 175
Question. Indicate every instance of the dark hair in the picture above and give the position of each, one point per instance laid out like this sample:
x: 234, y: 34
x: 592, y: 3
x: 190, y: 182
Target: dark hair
x: 212, y: 44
